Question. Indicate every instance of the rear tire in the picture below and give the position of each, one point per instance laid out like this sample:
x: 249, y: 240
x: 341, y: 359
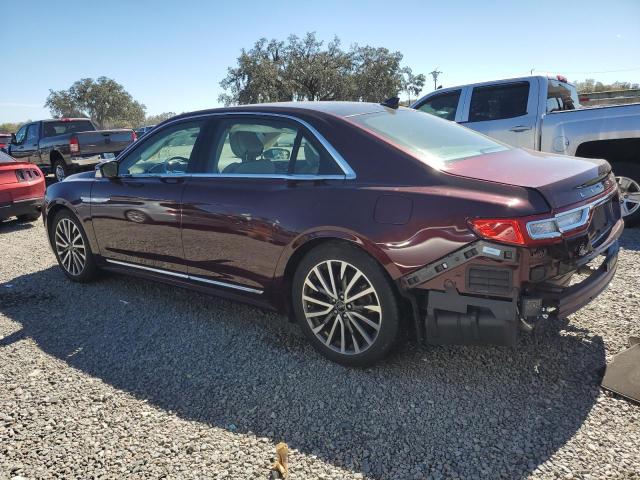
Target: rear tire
x: 71, y: 247
x: 628, y: 177
x: 61, y: 170
x: 346, y: 304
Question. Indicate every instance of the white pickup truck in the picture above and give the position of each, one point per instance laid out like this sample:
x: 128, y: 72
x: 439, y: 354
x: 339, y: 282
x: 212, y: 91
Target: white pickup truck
x: 543, y: 113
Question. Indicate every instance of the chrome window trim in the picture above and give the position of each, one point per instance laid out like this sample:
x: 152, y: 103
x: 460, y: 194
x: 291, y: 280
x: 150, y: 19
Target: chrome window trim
x: 186, y: 276
x: 584, y: 219
x: 283, y: 176
x: 349, y: 174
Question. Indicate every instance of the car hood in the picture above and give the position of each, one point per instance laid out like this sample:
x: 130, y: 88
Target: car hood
x: 562, y: 180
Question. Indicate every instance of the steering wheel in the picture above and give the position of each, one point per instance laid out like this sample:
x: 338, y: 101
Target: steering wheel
x: 174, y: 164
x: 276, y: 153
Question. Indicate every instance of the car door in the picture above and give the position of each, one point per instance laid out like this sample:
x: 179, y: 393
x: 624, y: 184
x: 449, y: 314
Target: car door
x: 26, y: 146
x: 443, y: 104
x: 506, y: 111
x: 136, y: 216
x: 240, y: 211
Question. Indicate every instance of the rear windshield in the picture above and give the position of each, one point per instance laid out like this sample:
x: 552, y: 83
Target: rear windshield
x: 435, y: 141
x: 51, y: 129
x: 5, y: 138
x: 4, y: 158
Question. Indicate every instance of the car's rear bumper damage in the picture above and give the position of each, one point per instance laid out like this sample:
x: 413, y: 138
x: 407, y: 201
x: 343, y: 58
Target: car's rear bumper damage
x: 486, y: 292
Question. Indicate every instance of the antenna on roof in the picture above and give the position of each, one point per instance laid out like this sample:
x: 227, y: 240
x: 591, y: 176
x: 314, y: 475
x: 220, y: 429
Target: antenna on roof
x: 393, y: 102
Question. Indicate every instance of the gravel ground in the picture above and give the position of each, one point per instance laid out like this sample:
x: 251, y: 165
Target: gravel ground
x: 127, y: 378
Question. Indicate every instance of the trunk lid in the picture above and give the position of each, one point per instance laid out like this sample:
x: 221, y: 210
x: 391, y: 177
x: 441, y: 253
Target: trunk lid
x: 562, y: 180
x: 104, y: 141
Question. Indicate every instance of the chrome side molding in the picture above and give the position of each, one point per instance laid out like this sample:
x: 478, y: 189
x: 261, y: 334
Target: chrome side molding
x: 186, y: 277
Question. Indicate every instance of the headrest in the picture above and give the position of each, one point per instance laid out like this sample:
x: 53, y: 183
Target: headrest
x: 246, y: 145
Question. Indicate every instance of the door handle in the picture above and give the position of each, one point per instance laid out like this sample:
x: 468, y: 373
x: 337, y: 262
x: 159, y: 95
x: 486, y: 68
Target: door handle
x: 171, y: 179
x: 520, y: 128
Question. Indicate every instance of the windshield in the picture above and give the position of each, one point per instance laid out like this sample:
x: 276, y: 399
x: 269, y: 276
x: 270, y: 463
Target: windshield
x: 51, y: 129
x: 435, y: 141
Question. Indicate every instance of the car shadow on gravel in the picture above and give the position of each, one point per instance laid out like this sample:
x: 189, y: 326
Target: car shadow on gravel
x: 460, y: 411
x: 15, y: 225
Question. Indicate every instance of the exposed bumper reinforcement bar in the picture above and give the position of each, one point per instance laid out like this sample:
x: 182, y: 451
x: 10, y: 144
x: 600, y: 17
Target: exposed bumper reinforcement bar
x: 571, y: 299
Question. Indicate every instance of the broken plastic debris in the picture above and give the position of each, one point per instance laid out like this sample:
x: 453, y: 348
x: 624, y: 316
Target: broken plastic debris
x: 280, y: 468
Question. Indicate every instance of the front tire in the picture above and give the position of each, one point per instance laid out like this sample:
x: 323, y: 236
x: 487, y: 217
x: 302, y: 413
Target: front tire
x: 345, y: 304
x: 72, y: 248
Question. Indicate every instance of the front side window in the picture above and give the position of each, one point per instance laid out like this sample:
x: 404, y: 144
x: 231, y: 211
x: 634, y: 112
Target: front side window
x: 22, y: 133
x: 32, y: 134
x: 443, y: 105
x: 427, y: 138
x: 267, y: 148
x: 561, y: 96
x: 168, y: 151
x: 499, y: 101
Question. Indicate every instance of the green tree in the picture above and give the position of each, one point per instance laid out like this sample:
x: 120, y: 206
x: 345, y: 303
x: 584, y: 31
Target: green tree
x: 377, y: 74
x: 412, y: 84
x: 590, y: 85
x: 11, y: 127
x: 308, y: 69
x: 156, y: 119
x: 103, y: 100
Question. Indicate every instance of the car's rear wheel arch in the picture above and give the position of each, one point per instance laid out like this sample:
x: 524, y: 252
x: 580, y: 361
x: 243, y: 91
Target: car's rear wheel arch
x: 316, y: 241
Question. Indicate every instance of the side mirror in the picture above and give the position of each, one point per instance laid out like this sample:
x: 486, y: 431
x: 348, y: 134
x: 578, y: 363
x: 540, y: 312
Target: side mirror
x: 108, y: 169
x: 13, y: 139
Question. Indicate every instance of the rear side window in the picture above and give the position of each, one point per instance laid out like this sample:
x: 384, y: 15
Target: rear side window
x: 51, y: 129
x: 561, y: 96
x: 443, y: 105
x: 499, y: 101
x: 247, y: 147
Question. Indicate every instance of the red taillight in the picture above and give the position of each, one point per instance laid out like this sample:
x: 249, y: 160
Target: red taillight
x: 500, y: 230
x: 74, y: 146
x: 134, y: 136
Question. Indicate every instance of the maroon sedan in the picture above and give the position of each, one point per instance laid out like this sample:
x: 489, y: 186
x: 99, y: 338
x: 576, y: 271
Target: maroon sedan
x: 359, y: 220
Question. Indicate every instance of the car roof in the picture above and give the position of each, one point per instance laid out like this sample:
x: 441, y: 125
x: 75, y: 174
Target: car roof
x: 340, y: 109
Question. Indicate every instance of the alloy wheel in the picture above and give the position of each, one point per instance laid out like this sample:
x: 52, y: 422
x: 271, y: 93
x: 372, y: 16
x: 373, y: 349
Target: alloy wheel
x: 341, y: 307
x: 59, y: 173
x: 629, y: 195
x: 70, y: 247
